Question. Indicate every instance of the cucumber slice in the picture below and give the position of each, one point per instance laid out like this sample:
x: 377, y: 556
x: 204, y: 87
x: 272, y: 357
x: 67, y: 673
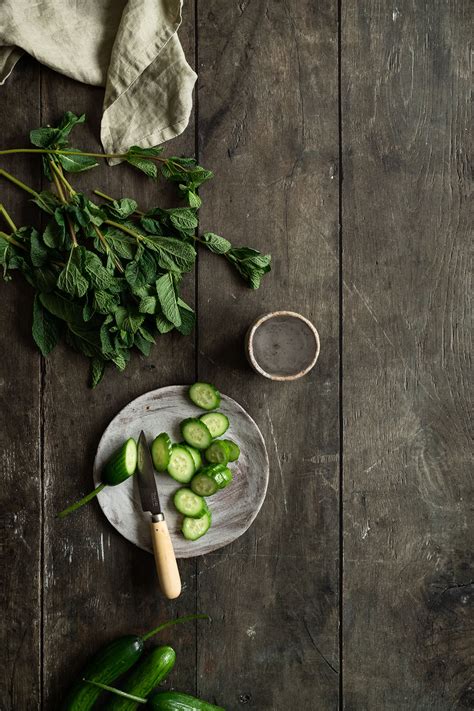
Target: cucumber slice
x: 195, y: 433
x: 161, y: 452
x: 194, y: 528
x: 196, y: 455
x: 189, y: 504
x: 181, y: 465
x: 203, y: 485
x: 210, y: 479
x: 217, y: 453
x: 205, y: 396
x: 121, y: 464
x: 233, y: 448
x: 216, y: 423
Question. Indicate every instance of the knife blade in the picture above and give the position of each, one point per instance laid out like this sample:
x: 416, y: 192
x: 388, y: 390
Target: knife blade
x: 165, y: 559
x: 146, y: 478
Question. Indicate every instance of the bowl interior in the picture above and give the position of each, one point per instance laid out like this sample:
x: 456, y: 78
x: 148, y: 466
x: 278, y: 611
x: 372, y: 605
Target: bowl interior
x: 284, y: 345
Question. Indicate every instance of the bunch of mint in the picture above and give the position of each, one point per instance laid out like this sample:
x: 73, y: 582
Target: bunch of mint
x: 107, y: 275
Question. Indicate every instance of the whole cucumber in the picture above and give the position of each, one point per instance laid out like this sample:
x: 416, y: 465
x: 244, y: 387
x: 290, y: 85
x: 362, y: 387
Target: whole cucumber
x: 141, y: 681
x: 176, y: 701
x: 106, y: 666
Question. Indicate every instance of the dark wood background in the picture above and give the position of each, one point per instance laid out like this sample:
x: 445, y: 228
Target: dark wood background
x: 338, y: 137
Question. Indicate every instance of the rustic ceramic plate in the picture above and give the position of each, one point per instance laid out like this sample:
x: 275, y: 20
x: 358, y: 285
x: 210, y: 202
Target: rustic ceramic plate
x: 233, y: 508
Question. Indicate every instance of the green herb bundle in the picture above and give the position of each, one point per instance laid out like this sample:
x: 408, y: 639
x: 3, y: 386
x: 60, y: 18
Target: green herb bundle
x: 107, y: 275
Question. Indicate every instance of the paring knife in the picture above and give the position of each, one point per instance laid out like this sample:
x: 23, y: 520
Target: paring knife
x: 166, y: 566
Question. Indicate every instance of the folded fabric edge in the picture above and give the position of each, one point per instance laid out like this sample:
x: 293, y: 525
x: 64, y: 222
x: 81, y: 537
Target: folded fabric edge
x: 9, y: 56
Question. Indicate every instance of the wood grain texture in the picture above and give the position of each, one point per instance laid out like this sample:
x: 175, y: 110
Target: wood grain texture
x: 20, y: 441
x: 408, y: 535
x: 233, y: 509
x: 268, y: 127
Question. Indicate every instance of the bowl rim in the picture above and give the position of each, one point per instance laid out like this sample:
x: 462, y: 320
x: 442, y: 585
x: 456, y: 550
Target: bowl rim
x: 250, y: 349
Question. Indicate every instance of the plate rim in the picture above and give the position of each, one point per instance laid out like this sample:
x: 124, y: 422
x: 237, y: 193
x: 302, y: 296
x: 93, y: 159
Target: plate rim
x: 214, y: 547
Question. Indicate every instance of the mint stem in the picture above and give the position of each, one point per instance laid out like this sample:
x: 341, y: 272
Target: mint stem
x: 127, y: 230
x: 81, y: 502
x: 170, y: 623
x: 117, y: 692
x: 10, y: 239
x: 7, y: 218
x: 18, y: 183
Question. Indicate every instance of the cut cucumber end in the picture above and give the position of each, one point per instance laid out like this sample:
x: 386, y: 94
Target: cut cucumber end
x: 233, y: 449
x: 194, y: 528
x: 189, y: 504
x: 161, y: 452
x: 181, y: 465
x: 121, y: 464
x: 205, y: 396
x: 216, y: 422
x: 195, y: 433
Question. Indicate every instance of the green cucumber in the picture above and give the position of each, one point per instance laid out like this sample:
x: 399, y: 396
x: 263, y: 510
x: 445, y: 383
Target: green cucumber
x: 177, y: 701
x: 210, y: 479
x: 145, y: 677
x: 121, y: 464
x: 110, y: 663
x: 216, y: 423
x: 205, y: 396
x: 118, y: 468
x: 196, y: 455
x: 217, y: 453
x: 233, y: 448
x: 161, y: 452
x: 189, y: 504
x: 194, y: 528
x: 195, y: 433
x: 106, y: 666
x: 181, y: 465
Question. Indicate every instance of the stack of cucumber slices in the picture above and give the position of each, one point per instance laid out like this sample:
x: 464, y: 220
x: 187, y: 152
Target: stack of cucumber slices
x: 200, y: 462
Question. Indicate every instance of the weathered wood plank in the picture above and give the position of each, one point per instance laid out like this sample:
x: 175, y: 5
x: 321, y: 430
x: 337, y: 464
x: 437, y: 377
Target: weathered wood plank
x: 407, y: 476
x: 268, y: 128
x: 20, y: 441
x: 99, y: 585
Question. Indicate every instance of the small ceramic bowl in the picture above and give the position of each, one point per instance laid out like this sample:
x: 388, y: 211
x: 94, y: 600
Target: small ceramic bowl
x: 282, y: 345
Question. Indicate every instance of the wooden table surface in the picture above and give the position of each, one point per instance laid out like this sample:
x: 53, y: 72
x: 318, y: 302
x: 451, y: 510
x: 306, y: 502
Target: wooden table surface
x: 338, y: 139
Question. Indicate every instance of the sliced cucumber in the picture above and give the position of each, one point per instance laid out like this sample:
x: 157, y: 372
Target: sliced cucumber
x: 196, y: 433
x: 217, y: 453
x: 121, y: 464
x: 161, y: 452
x: 216, y: 423
x: 189, y: 504
x: 196, y: 455
x: 181, y: 465
x: 203, y: 485
x: 233, y: 448
x: 194, y: 528
x: 205, y: 395
x: 210, y: 479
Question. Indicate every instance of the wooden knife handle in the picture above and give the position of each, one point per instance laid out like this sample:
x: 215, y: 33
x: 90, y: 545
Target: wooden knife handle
x: 165, y: 559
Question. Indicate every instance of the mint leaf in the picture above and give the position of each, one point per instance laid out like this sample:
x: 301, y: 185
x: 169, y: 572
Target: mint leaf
x: 166, y: 291
x: 38, y: 251
x: 162, y: 324
x: 76, y: 163
x: 97, y: 370
x: 217, y: 244
x: 45, y: 329
x: 147, y: 305
x: 71, y: 280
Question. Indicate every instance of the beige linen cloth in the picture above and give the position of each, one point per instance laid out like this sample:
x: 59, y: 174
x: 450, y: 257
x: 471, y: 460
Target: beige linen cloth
x: 130, y: 47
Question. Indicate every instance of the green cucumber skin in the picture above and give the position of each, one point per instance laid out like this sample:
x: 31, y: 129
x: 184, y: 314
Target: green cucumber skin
x: 106, y: 666
x: 115, y: 471
x: 198, y: 402
x: 217, y: 452
x: 163, y: 440
x: 233, y: 448
x: 176, y: 701
x: 145, y: 676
